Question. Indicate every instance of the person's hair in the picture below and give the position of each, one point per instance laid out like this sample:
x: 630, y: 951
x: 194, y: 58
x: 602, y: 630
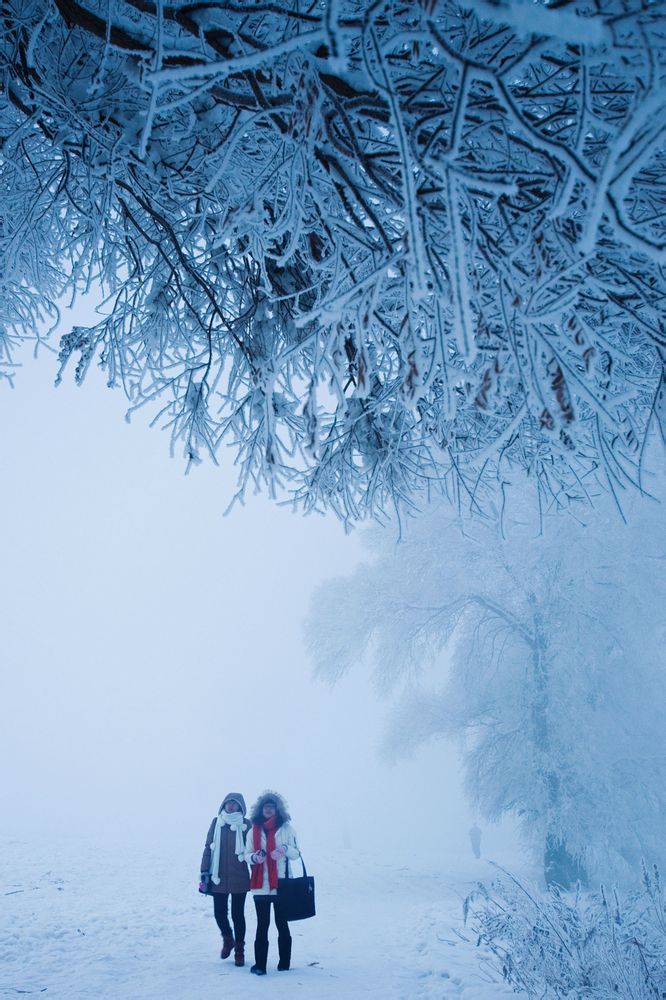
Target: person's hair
x: 256, y: 813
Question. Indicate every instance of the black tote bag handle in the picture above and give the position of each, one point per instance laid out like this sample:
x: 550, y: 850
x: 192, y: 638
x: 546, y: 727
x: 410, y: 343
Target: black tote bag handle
x: 301, y: 859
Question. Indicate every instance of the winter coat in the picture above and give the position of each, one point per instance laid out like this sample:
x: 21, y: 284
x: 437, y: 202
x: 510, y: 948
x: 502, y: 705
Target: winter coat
x: 233, y: 871
x: 285, y: 836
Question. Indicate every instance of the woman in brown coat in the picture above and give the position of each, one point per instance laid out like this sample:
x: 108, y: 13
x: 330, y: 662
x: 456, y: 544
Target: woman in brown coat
x: 224, y: 873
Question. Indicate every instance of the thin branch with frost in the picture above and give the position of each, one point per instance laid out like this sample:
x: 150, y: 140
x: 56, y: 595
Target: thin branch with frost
x: 396, y: 208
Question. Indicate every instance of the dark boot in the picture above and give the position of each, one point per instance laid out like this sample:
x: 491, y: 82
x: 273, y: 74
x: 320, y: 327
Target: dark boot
x: 227, y: 945
x: 284, y: 951
x: 260, y: 958
x: 239, y: 953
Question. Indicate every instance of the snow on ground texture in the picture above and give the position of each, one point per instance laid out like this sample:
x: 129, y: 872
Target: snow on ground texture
x: 84, y: 922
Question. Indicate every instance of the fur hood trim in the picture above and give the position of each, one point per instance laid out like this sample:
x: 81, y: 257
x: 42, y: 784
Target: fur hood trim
x: 256, y: 815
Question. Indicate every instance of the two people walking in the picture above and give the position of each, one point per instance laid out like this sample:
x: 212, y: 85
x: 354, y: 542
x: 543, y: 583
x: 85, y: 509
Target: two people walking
x: 266, y: 843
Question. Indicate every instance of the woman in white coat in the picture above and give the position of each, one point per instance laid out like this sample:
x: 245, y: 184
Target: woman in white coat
x: 270, y: 842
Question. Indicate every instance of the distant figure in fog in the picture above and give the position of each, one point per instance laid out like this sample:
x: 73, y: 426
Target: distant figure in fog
x: 268, y: 845
x: 475, y: 841
x: 224, y: 873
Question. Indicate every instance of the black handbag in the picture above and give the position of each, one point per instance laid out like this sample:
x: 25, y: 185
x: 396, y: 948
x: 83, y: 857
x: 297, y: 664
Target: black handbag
x: 296, y: 896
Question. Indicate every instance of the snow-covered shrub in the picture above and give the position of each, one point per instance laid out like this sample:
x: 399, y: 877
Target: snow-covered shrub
x: 574, y: 945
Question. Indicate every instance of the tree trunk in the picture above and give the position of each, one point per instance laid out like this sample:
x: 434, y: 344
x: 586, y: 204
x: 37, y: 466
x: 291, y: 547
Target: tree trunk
x: 560, y: 867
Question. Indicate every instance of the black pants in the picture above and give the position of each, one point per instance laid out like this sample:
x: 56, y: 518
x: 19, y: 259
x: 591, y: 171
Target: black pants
x: 220, y: 908
x: 263, y: 907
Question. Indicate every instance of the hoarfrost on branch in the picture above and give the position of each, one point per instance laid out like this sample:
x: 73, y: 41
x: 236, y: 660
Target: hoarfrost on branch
x: 375, y: 247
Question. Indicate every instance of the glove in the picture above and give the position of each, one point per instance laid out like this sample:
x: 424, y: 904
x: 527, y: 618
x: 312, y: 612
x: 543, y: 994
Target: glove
x: 279, y: 853
x: 203, y: 884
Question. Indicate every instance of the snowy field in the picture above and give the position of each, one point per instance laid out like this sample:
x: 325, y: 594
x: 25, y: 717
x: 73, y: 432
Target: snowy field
x: 80, y: 921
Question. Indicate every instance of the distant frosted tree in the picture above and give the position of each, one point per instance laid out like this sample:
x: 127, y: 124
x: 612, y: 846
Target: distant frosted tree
x: 374, y: 246
x: 544, y: 656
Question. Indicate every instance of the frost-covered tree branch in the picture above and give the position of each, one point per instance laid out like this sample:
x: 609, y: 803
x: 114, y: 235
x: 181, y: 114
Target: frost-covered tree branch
x: 376, y: 248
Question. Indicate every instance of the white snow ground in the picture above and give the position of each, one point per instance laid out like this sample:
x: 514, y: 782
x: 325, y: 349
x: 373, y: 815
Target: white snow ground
x: 80, y: 921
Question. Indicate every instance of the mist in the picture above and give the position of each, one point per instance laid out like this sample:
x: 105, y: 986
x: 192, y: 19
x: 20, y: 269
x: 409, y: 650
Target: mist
x: 153, y: 656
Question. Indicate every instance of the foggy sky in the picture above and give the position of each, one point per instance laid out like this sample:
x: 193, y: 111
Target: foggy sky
x: 152, y: 656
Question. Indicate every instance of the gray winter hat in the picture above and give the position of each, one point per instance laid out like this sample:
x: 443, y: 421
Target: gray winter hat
x: 234, y: 797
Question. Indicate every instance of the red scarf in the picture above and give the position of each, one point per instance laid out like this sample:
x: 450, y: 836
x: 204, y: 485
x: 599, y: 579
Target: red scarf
x: 257, y: 879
